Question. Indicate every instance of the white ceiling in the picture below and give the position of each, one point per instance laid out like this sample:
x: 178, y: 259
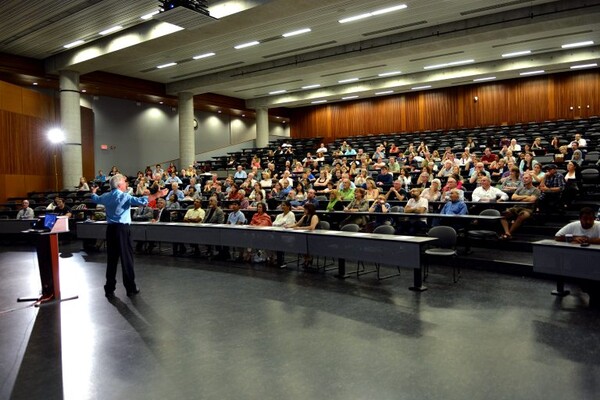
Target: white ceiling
x: 427, y: 32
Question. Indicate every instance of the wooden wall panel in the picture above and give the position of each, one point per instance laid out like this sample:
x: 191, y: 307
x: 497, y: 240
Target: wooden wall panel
x: 529, y: 100
x: 10, y: 98
x: 499, y: 103
x: 439, y: 109
x: 38, y: 105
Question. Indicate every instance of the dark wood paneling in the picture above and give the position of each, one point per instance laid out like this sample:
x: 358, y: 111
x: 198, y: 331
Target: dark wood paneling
x: 499, y: 103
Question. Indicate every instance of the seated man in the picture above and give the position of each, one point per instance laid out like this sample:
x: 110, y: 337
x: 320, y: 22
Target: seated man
x: 235, y: 217
x: 416, y: 205
x: 454, y: 206
x: 346, y: 192
x: 161, y: 214
x: 61, y: 208
x: 193, y: 215
x: 311, y: 197
x: 176, y: 191
x: 384, y: 178
x: 551, y: 186
x: 586, y: 230
x: 451, y: 184
x: 396, y: 192
x: 487, y: 193
x: 526, y: 192
x: 25, y: 212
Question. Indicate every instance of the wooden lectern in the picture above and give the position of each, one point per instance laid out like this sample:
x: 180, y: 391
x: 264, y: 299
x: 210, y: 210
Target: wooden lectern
x: 47, y: 255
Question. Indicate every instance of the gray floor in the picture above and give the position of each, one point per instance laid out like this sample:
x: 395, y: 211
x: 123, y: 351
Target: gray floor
x: 204, y: 330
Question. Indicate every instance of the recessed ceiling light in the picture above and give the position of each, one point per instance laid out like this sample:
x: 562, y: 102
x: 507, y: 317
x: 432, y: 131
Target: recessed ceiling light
x: 83, y: 91
x: 161, y: 102
x: 516, y: 53
x: 111, y: 30
x: 348, y: 80
x: 540, y: 71
x: 318, y: 101
x: 205, y: 55
x: 349, y: 97
x: 354, y: 18
x: 244, y: 45
x: 278, y: 91
x: 150, y: 15
x: 73, y: 44
x: 298, y: 32
x: 389, y: 9
x: 584, y: 66
x: 421, y: 87
x: 487, y: 78
x: 372, y: 13
x: 311, y: 86
x: 243, y: 115
x: 384, y: 92
x: 579, y: 44
x: 35, y: 83
x: 450, y: 64
x: 166, y: 65
x: 219, y: 111
x: 389, y: 73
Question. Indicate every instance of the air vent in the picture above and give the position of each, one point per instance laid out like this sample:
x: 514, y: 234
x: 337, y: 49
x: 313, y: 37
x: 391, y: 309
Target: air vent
x: 269, y: 85
x: 543, y: 38
x: 299, y: 49
x: 437, y: 56
x: 495, y: 7
x: 353, y: 70
x: 197, y: 73
x: 394, y: 28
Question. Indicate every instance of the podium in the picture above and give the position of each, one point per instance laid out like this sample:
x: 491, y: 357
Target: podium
x: 47, y: 255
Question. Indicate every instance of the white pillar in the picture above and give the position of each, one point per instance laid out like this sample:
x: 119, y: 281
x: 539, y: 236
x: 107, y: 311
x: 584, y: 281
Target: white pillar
x: 70, y: 118
x: 262, y: 127
x: 187, y: 143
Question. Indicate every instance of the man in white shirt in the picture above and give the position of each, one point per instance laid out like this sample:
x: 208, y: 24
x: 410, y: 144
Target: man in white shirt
x: 586, y: 230
x: 416, y: 205
x: 25, y: 212
x: 583, y: 232
x: 488, y: 193
x: 579, y: 140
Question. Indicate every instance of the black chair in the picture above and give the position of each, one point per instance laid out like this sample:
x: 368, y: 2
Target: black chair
x: 485, y: 231
x: 445, y: 246
x: 383, y: 230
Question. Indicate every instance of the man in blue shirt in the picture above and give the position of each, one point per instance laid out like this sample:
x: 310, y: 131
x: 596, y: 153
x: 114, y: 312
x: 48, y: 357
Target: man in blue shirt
x: 118, y: 204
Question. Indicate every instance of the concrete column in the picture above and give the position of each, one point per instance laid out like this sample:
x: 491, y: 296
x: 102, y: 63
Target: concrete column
x: 70, y: 119
x: 187, y: 143
x: 262, y: 127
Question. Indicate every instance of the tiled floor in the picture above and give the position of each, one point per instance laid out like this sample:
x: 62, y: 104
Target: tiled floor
x: 202, y: 330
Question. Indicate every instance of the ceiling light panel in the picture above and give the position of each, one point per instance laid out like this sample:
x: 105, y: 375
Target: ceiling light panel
x: 372, y: 13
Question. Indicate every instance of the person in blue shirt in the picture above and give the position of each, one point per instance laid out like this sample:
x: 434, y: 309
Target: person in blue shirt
x: 455, y: 206
x: 118, y: 204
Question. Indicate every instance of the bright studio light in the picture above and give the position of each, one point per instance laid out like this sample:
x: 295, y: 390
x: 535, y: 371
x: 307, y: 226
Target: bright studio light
x: 56, y: 135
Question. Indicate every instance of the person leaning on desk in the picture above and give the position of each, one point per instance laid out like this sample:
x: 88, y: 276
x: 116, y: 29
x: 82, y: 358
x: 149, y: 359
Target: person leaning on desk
x: 584, y: 232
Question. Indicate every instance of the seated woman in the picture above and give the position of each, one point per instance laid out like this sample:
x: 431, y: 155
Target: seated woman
x: 572, y: 184
x: 361, y: 179
x: 308, y: 222
x: 433, y: 193
x: 286, y: 219
x: 256, y: 190
x: 260, y: 218
x: 83, y: 185
x: 258, y: 199
x: 381, y: 208
x: 372, y: 190
x: 321, y: 183
x: 537, y: 174
x: 359, y: 204
x: 513, y: 181
x: 335, y: 201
